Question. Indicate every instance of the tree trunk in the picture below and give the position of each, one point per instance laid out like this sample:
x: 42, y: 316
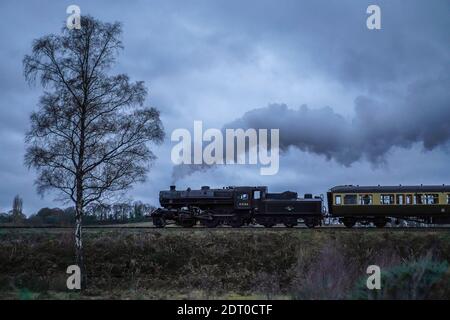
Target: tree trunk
x: 80, y: 201
x: 79, y: 244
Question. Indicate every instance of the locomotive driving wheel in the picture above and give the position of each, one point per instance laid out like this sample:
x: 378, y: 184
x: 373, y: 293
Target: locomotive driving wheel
x: 236, y: 222
x: 187, y: 223
x: 349, y: 223
x: 210, y: 223
x: 159, y: 222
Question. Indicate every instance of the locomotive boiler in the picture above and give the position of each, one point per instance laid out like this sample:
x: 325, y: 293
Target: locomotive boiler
x: 236, y: 206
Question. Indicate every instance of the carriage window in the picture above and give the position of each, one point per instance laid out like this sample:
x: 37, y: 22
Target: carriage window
x: 431, y: 199
x: 400, y: 199
x: 337, y: 200
x: 448, y: 199
x: 350, y: 199
x: 387, y: 199
x: 257, y: 195
x: 418, y: 199
x: 365, y: 199
x: 409, y: 199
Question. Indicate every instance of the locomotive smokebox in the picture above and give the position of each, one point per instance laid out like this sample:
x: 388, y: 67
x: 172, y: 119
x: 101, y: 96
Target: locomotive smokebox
x: 173, y: 188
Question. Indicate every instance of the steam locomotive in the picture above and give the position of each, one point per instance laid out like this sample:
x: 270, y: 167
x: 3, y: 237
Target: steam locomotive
x: 238, y: 206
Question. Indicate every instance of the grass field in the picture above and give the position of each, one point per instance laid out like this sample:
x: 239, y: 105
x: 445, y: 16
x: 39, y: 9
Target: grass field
x: 226, y: 263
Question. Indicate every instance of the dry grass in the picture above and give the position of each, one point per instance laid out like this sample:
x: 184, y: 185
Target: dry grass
x: 202, y: 264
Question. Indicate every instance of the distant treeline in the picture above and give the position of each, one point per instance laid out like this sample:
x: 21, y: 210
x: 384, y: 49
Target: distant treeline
x: 95, y: 214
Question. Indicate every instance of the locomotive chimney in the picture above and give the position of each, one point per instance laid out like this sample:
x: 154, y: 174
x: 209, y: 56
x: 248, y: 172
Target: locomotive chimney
x: 172, y: 188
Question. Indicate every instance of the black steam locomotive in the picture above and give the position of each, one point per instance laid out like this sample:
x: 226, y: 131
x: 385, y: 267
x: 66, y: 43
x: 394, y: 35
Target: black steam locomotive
x: 236, y: 206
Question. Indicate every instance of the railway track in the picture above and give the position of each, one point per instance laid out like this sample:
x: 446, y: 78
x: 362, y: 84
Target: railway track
x: 247, y: 228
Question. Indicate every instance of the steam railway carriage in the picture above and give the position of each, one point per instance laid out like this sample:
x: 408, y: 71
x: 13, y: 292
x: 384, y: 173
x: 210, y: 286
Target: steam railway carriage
x: 427, y: 204
x: 236, y: 206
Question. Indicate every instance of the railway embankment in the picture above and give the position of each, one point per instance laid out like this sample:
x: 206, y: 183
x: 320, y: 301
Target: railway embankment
x: 227, y: 263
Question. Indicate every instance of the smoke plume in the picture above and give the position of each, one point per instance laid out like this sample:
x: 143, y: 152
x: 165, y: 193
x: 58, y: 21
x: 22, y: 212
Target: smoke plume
x: 421, y: 115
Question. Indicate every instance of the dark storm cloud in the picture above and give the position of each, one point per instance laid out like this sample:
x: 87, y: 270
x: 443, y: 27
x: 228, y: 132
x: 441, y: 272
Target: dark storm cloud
x: 334, y: 37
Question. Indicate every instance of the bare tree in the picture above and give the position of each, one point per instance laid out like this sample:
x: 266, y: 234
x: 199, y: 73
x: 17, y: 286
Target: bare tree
x: 17, y: 208
x: 89, y: 138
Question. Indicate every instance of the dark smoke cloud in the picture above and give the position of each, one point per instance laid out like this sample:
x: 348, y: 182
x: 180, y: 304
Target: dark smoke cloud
x: 184, y: 170
x: 421, y: 116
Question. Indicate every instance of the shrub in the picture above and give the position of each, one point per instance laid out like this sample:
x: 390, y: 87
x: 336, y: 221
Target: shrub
x: 417, y: 279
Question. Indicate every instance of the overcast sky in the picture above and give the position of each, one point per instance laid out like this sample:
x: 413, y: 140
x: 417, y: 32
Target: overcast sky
x: 354, y: 106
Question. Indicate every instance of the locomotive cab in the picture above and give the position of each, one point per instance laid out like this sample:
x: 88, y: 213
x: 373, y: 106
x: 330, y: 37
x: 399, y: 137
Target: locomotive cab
x: 242, y: 200
x: 247, y: 198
